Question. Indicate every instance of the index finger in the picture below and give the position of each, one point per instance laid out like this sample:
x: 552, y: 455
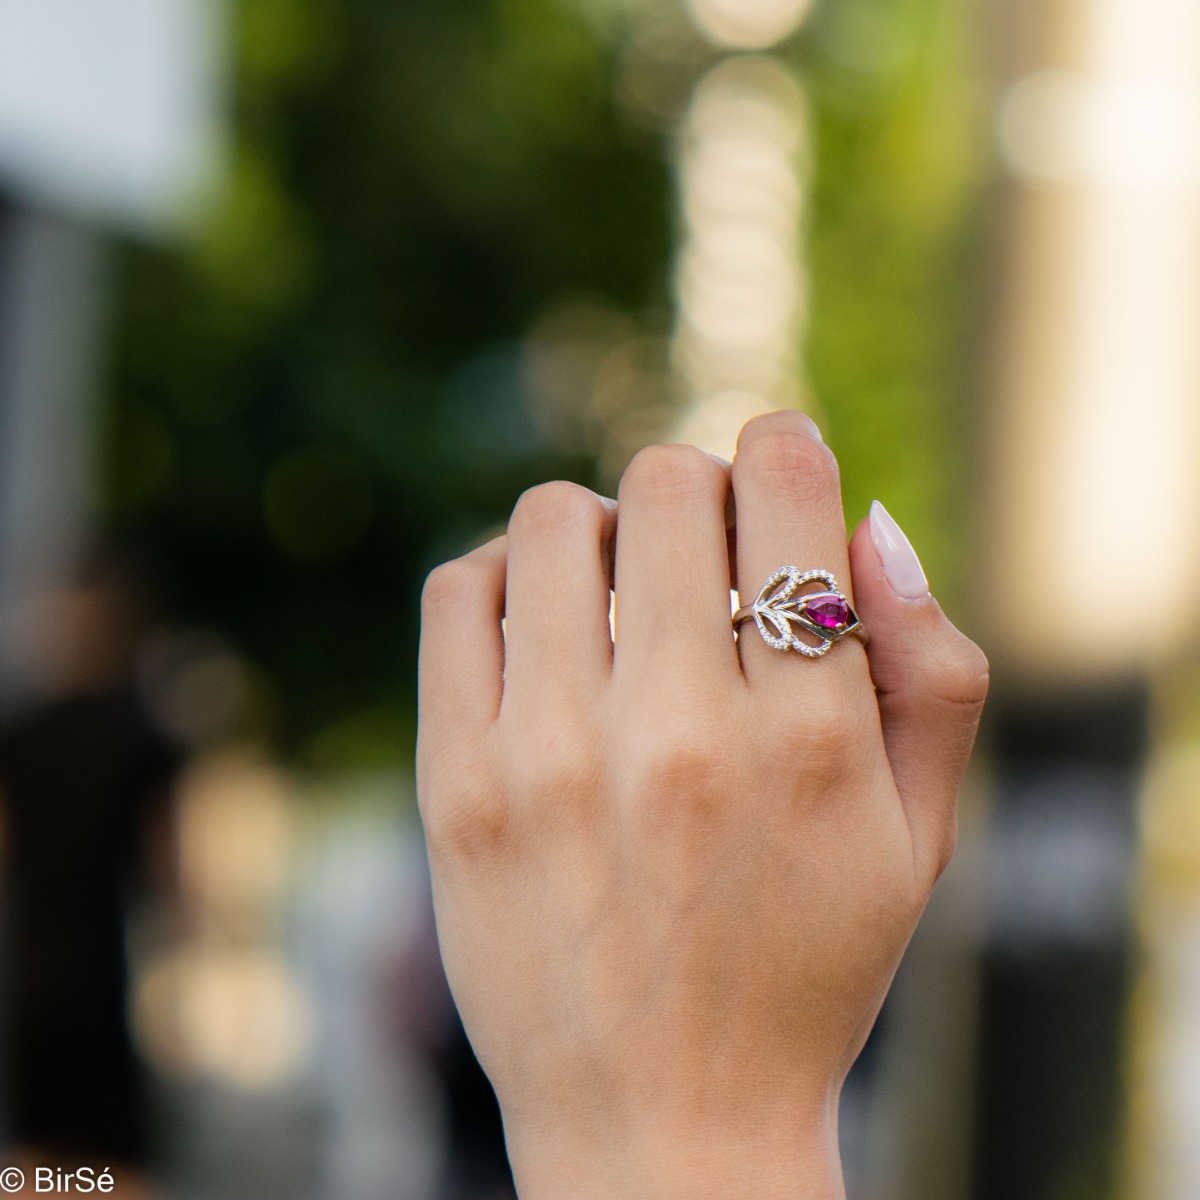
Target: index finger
x: 461, y: 661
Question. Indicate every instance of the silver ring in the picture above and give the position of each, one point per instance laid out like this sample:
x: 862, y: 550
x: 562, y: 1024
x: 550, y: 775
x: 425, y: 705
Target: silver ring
x: 824, y: 614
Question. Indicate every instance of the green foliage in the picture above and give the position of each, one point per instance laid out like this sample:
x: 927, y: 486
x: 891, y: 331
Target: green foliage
x: 891, y: 344
x: 289, y: 429
x: 321, y: 395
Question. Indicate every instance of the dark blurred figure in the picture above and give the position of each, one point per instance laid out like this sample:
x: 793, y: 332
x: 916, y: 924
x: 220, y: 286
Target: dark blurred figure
x: 85, y: 775
x: 476, y: 1161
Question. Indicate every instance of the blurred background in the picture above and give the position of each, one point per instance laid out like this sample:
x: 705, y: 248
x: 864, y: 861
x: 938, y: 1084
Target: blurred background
x: 297, y: 296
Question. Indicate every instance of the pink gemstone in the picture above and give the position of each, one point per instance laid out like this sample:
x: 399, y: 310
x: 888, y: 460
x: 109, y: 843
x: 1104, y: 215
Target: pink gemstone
x: 827, y: 610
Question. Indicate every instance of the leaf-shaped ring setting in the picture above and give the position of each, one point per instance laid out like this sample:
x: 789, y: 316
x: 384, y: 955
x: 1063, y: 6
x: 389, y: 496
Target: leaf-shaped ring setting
x: 781, y: 609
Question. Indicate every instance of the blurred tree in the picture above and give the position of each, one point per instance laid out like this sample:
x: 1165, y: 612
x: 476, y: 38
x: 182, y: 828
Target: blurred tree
x: 895, y: 242
x: 323, y: 395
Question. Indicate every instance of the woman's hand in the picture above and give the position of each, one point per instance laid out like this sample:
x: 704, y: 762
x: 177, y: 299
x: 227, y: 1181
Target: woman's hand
x: 673, y: 877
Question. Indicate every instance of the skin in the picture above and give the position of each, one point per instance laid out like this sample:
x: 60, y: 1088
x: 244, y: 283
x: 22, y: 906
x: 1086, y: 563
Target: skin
x: 673, y: 877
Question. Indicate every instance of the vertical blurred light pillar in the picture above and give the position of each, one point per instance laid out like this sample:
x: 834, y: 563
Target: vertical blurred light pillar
x: 740, y: 281
x: 1093, y: 553
x: 110, y: 123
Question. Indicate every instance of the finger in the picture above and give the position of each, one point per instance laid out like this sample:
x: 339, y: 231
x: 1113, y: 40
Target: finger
x: 557, y: 596
x: 930, y: 682
x: 672, y: 564
x: 462, y: 647
x: 789, y: 512
x: 730, y: 521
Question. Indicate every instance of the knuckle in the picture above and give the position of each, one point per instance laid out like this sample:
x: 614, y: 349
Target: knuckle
x: 790, y: 462
x: 553, y: 505
x: 827, y: 720
x: 782, y: 419
x: 554, y: 765
x: 962, y: 673
x: 672, y: 473
x: 828, y: 742
x: 678, y: 760
x: 820, y: 729
x: 462, y: 822
x: 447, y: 584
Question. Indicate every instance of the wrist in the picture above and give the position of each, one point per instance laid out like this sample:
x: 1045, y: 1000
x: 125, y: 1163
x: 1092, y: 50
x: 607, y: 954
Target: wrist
x: 735, y: 1159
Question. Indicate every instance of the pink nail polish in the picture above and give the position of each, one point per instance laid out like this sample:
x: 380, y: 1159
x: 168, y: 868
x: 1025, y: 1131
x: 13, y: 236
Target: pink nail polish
x: 900, y: 563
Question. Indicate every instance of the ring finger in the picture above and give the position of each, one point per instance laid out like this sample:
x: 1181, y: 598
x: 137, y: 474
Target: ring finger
x: 789, y: 512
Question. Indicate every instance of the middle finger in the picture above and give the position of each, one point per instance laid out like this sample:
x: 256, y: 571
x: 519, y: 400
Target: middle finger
x: 672, y: 565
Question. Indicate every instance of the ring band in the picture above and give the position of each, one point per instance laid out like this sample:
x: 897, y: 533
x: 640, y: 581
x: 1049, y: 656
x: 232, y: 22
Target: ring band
x: 825, y: 614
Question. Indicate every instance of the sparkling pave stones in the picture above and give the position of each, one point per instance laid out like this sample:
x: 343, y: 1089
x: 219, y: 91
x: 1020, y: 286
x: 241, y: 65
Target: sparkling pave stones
x: 782, y: 611
x: 769, y: 607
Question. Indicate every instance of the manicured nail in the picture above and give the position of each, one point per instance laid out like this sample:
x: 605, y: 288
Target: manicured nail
x: 900, y: 562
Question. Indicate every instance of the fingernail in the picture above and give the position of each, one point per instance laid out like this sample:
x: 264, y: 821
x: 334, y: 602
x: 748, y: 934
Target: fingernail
x: 900, y: 562
x: 812, y: 431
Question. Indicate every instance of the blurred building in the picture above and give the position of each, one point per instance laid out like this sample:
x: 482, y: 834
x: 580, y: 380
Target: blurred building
x: 1096, y: 495
x: 111, y: 122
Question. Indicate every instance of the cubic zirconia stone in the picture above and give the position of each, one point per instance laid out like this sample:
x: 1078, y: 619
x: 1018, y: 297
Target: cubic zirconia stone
x: 827, y: 610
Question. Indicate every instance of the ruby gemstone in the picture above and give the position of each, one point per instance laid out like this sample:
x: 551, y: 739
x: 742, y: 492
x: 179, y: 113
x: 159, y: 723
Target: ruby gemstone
x: 826, y: 609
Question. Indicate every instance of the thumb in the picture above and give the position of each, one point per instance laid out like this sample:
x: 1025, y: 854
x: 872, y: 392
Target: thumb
x: 930, y: 683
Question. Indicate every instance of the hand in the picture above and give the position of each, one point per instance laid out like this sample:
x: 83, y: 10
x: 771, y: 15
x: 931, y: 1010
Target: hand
x: 673, y: 878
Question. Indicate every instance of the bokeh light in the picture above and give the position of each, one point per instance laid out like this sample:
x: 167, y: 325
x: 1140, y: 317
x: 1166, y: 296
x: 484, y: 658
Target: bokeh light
x: 748, y: 24
x: 1102, y: 415
x: 739, y: 277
